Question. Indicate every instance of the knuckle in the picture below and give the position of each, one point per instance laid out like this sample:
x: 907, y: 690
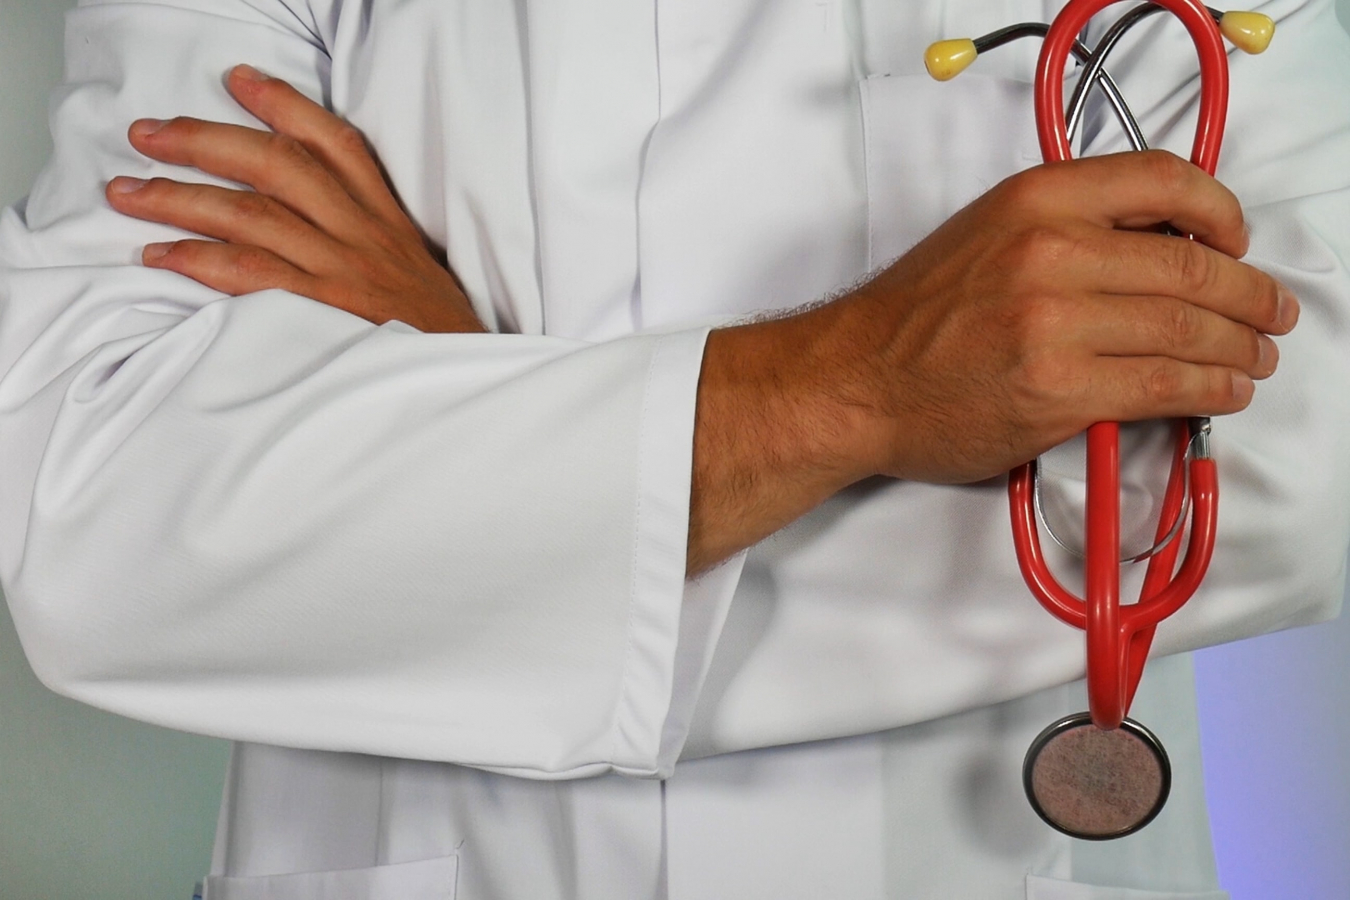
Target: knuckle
x: 371, y: 269
x: 1183, y: 326
x: 1040, y: 319
x: 1040, y: 248
x: 1192, y: 267
x: 1169, y: 171
x: 348, y: 140
x: 1044, y: 378
x: 252, y: 206
x: 1025, y: 188
x: 389, y: 244
x: 285, y: 151
x: 1163, y: 384
x: 253, y: 264
x: 364, y: 269
x: 338, y: 293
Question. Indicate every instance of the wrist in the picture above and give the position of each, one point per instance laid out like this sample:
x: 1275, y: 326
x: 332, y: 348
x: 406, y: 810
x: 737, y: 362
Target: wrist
x: 806, y: 402
x: 779, y: 428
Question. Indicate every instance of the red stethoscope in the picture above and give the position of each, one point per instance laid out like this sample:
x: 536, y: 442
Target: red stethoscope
x: 1100, y: 775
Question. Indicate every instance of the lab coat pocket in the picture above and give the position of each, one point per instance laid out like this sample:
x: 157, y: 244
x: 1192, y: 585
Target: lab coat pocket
x: 1039, y: 888
x: 932, y: 147
x: 432, y: 879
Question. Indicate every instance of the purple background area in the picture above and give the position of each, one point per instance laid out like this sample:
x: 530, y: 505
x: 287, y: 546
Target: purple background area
x: 1275, y: 731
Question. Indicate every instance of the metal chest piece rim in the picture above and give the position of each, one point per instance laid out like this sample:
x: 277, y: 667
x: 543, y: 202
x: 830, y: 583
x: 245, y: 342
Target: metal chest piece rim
x: 1096, y: 785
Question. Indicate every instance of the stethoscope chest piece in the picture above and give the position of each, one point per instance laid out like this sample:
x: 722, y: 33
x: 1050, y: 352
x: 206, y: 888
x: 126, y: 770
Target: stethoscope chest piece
x: 1096, y: 784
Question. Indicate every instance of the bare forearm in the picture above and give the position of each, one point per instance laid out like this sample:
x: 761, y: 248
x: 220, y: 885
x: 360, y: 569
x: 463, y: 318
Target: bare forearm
x: 773, y: 436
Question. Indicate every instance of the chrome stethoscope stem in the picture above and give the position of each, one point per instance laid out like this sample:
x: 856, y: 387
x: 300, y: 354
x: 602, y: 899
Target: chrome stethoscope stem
x: 1086, y: 58
x: 1094, y: 66
x: 1094, y: 69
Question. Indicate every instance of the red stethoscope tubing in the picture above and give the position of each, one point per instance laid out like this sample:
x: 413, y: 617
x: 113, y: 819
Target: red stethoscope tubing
x: 1118, y: 638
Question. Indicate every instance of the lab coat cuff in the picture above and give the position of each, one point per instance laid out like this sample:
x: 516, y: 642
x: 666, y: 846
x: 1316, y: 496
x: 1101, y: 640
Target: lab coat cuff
x: 707, y: 601
x: 656, y: 679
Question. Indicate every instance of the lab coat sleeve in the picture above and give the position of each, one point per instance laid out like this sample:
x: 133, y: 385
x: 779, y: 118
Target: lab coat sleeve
x: 264, y: 519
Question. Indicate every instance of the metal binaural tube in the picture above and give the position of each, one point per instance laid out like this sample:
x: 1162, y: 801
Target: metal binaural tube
x: 1084, y: 56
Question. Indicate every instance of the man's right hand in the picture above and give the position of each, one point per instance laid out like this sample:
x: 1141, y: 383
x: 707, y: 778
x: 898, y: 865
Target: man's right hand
x: 1041, y: 308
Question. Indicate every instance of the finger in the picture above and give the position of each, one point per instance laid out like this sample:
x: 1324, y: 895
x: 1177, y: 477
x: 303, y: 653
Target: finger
x: 335, y: 143
x: 1164, y: 265
x: 1164, y: 326
x: 233, y: 269
x: 1139, y: 388
x: 274, y: 165
x: 239, y: 217
x: 1136, y: 190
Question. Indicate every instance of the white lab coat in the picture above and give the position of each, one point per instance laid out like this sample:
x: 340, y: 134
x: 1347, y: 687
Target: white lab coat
x: 459, y: 559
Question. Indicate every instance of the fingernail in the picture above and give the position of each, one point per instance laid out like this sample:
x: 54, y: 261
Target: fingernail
x: 124, y: 185
x: 1246, y: 236
x: 249, y: 73
x: 153, y: 252
x: 1243, y: 387
x: 147, y: 127
x: 1288, y: 308
x: 1270, y: 355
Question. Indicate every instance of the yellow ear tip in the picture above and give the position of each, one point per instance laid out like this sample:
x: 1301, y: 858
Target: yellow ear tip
x: 1250, y: 32
x: 947, y: 59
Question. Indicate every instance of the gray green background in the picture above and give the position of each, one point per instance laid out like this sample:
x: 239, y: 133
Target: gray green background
x: 92, y: 806
x: 95, y: 807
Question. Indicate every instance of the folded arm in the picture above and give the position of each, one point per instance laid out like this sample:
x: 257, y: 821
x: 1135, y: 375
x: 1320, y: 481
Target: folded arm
x: 1031, y: 312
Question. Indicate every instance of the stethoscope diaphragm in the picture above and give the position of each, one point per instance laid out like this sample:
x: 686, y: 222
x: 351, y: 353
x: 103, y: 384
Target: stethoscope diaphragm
x: 1096, y: 784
